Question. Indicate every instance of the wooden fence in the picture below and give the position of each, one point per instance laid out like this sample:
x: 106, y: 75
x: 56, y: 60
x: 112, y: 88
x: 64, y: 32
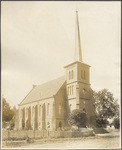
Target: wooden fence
x: 23, y: 134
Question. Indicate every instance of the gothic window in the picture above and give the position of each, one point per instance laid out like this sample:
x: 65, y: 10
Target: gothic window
x: 33, y: 111
x: 59, y: 108
x: 21, y: 112
x: 84, y: 75
x: 69, y: 75
x: 72, y: 89
x: 48, y: 107
x: 72, y: 74
x: 68, y: 90
x: 40, y: 110
x: 70, y: 107
x: 26, y: 112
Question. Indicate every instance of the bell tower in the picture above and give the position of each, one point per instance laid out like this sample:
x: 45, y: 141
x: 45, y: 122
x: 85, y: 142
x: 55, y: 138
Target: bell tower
x: 78, y: 79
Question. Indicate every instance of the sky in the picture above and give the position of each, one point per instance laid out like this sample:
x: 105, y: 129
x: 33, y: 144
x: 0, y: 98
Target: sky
x: 38, y: 40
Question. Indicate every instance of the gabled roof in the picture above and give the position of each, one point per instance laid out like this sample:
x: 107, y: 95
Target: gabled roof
x: 44, y: 91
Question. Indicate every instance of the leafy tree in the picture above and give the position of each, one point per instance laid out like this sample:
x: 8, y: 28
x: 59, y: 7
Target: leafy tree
x: 77, y: 118
x: 7, y: 112
x: 106, y: 107
x: 116, y: 123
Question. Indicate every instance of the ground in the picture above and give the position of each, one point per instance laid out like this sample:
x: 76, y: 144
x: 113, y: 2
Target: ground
x: 108, y: 140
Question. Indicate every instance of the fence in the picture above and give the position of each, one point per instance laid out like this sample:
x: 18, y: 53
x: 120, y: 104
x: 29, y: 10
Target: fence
x: 23, y: 134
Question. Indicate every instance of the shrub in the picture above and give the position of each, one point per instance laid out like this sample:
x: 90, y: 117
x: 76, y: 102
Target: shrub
x: 78, y: 118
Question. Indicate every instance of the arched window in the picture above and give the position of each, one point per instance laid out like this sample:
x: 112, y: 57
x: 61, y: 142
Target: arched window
x: 72, y: 74
x: 21, y: 113
x: 69, y: 75
x: 68, y: 91
x: 26, y: 112
x: 33, y: 111
x: 59, y: 108
x: 84, y: 75
x: 72, y: 89
x: 48, y: 107
x: 40, y: 110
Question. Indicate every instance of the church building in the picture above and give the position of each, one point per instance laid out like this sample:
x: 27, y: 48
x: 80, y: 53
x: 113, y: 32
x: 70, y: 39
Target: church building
x: 46, y: 106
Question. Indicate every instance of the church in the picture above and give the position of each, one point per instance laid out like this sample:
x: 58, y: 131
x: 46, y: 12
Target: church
x: 47, y: 106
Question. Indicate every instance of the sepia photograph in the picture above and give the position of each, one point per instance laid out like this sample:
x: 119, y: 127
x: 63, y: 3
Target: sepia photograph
x: 60, y: 74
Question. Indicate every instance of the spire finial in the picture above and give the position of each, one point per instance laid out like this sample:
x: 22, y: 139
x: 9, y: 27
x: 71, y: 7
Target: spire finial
x: 78, y: 56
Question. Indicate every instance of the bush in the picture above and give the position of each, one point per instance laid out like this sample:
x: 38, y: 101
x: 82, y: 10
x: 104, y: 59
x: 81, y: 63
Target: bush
x: 78, y: 118
x: 101, y: 122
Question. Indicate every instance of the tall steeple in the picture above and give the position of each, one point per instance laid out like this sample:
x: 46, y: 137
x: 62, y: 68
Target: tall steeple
x: 78, y: 54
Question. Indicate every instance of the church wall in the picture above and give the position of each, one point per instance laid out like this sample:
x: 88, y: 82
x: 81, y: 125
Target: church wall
x: 83, y: 73
x: 60, y: 107
x: 86, y: 100
x: 72, y: 104
x: 48, y: 103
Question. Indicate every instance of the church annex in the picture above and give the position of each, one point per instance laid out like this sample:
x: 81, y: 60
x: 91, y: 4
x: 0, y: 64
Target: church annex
x: 46, y: 106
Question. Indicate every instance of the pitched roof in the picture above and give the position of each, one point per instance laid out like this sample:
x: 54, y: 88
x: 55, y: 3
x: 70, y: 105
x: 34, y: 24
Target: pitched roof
x: 44, y: 91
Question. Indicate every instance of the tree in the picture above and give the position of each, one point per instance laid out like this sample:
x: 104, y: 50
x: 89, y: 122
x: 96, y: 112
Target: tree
x: 7, y: 112
x: 77, y: 118
x: 116, y: 123
x: 106, y: 107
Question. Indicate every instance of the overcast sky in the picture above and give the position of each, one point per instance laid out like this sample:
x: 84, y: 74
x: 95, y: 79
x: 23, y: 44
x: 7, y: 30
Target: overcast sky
x: 38, y: 40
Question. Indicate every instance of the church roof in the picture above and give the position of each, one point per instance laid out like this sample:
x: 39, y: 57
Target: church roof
x: 44, y: 91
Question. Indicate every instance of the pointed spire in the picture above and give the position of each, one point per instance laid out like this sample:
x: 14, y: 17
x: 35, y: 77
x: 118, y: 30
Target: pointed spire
x: 78, y: 55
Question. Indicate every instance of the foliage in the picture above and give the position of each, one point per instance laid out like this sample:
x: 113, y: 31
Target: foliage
x: 116, y: 123
x: 101, y: 122
x: 7, y: 112
x: 77, y: 118
x: 106, y: 107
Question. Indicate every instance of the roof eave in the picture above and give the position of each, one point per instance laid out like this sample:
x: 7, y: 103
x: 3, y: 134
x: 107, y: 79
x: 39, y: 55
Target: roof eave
x: 76, y: 63
x: 36, y: 100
